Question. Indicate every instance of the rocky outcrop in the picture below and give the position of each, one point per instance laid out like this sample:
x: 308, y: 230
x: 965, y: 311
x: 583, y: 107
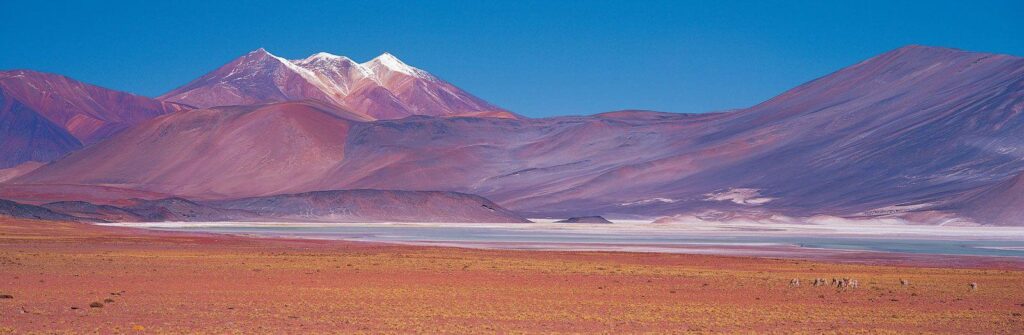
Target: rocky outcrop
x: 23, y: 211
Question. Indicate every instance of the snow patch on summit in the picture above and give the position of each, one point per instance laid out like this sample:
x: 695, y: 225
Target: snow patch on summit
x: 323, y: 56
x: 376, y: 70
x: 394, y: 64
x: 387, y: 63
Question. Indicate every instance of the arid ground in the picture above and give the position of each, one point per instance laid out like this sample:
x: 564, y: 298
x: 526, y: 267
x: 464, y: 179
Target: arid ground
x: 74, y: 278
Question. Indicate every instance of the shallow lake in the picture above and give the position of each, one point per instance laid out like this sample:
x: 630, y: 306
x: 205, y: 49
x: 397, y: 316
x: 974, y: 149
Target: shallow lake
x: 754, y: 239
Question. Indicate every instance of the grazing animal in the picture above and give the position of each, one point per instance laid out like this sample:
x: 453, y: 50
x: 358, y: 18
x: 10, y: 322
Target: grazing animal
x: 795, y: 282
x: 845, y: 282
x: 904, y: 282
x: 974, y: 286
x: 854, y: 283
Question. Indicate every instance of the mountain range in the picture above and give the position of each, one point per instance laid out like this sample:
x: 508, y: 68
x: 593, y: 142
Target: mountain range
x: 926, y: 134
x: 382, y: 88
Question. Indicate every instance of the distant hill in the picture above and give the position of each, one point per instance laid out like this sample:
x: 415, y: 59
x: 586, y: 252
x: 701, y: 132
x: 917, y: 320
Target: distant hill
x: 321, y: 206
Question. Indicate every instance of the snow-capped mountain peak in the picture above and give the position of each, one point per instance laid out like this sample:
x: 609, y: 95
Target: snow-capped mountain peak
x: 381, y: 88
x: 390, y: 62
x: 324, y: 56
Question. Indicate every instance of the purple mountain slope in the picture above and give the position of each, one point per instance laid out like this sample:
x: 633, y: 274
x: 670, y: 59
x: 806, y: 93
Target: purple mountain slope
x: 28, y: 136
x: 1001, y: 203
x: 45, y: 116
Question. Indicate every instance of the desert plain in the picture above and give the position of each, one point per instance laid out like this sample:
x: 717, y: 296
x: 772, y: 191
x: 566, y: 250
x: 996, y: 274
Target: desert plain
x: 60, y: 277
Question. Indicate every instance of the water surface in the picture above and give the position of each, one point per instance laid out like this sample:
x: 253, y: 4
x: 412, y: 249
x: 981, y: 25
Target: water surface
x: 759, y: 239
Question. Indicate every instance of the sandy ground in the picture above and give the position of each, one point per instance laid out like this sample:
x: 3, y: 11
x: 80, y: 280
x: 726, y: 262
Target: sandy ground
x: 157, y: 282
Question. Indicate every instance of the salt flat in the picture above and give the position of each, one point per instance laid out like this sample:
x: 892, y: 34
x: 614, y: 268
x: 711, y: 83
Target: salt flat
x: 802, y: 240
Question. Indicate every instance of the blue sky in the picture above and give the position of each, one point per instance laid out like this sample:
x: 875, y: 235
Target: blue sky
x: 537, y: 58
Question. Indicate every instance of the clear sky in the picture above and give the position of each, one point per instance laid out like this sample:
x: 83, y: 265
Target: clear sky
x: 537, y: 58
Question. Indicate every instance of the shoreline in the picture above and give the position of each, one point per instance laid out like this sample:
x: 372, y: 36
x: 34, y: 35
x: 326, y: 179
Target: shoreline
x: 784, y: 242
